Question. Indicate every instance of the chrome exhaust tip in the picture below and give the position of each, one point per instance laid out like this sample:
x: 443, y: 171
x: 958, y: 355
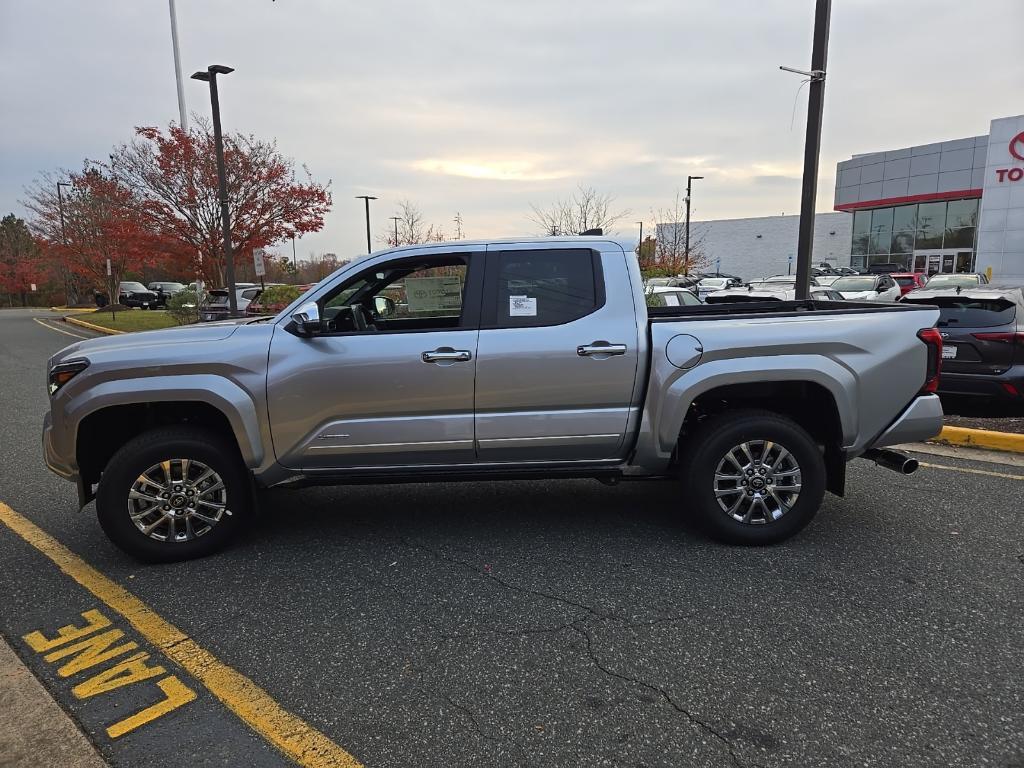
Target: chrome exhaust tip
x: 894, y: 460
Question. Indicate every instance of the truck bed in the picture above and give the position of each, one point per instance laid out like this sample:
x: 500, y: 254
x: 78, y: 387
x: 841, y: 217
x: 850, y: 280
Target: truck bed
x: 741, y: 309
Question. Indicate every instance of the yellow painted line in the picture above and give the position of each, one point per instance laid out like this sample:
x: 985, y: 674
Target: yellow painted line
x: 254, y: 706
x: 90, y: 326
x: 981, y: 438
x: 972, y: 471
x: 58, y: 330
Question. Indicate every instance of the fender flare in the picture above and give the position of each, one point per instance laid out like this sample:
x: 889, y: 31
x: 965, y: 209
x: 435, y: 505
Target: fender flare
x: 221, y: 393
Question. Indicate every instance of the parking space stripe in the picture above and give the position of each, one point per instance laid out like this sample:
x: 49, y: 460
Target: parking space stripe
x: 254, y: 706
x: 59, y: 330
x: 972, y: 471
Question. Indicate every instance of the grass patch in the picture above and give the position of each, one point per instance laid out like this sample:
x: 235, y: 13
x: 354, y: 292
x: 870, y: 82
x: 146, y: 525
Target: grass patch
x: 130, y: 319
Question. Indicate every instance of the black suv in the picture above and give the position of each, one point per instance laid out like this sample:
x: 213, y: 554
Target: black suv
x: 164, y: 290
x: 983, y: 339
x: 131, y: 294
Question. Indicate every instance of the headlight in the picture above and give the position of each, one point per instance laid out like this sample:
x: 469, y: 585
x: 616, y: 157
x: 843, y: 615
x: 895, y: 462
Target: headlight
x: 63, y: 373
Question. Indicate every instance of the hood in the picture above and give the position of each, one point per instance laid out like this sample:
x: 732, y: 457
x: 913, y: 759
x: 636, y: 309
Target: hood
x: 187, y: 334
x: 858, y: 294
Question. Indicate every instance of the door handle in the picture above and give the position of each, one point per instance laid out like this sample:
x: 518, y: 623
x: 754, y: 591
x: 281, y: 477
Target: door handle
x: 600, y: 348
x: 447, y: 355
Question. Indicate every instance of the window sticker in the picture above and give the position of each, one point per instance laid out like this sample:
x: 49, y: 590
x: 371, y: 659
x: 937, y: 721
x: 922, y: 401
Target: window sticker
x: 433, y: 294
x: 522, y: 306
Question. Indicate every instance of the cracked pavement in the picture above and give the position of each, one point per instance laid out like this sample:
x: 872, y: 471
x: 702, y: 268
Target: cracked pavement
x: 572, y: 624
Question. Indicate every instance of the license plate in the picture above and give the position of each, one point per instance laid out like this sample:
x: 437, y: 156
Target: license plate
x: 948, y: 351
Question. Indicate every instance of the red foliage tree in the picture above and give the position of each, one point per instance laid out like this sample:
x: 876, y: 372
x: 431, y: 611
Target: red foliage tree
x: 176, y: 174
x: 19, y: 259
x: 102, y: 220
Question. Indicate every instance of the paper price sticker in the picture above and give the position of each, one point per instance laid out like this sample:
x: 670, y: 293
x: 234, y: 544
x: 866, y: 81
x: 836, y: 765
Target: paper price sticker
x: 522, y: 306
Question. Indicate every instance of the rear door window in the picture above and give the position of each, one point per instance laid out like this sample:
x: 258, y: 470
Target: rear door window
x: 542, y: 287
x: 971, y: 313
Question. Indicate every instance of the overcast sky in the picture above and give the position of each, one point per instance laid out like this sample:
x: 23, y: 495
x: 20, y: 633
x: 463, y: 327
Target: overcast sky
x: 483, y: 107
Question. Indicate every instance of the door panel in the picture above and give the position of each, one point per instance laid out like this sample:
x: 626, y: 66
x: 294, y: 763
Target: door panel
x: 539, y: 396
x: 389, y: 379
x: 370, y: 399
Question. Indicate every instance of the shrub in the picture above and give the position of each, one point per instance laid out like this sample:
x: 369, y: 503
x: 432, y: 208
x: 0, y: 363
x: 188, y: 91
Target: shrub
x: 184, y: 307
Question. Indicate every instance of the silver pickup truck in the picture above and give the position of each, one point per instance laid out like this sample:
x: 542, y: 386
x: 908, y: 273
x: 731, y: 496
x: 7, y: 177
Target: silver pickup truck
x: 490, y: 360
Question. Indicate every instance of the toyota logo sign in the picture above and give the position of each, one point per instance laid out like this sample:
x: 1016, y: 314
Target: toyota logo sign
x: 1017, y: 146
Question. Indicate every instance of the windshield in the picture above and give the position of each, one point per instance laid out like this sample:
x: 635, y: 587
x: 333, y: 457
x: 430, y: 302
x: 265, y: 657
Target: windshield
x: 132, y: 287
x: 942, y: 281
x: 971, y: 313
x: 854, y: 284
x: 713, y: 282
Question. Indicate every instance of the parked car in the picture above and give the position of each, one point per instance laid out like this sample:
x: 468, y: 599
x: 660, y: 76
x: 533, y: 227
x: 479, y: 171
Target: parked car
x: 909, y: 281
x: 769, y: 292
x: 963, y: 279
x: 522, y: 358
x: 132, y: 294
x: 886, y: 268
x: 826, y: 280
x: 982, y: 331
x: 215, y: 304
x: 679, y: 281
x: 791, y: 279
x: 867, y: 288
x: 164, y: 290
x: 711, y: 284
x: 258, y: 305
x: 659, y: 296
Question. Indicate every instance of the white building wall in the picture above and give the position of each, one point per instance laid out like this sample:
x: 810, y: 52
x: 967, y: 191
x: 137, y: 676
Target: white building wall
x: 1001, y: 225
x: 763, y: 246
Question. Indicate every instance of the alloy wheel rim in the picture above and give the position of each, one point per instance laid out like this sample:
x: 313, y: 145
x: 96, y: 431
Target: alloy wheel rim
x: 177, y: 500
x: 757, y: 482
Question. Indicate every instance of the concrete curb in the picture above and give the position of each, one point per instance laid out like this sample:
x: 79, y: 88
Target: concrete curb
x: 91, y: 327
x: 981, y: 438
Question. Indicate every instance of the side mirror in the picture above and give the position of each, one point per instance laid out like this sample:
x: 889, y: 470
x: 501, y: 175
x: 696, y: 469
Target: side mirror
x: 307, y: 318
x: 383, y: 306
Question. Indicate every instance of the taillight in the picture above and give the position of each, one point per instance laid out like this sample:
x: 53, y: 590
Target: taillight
x: 1005, y: 338
x: 933, y: 339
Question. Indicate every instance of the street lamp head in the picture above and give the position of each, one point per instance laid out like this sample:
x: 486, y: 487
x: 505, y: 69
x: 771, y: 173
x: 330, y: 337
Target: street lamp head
x: 219, y: 69
x: 695, y: 177
x: 204, y: 76
x: 365, y: 197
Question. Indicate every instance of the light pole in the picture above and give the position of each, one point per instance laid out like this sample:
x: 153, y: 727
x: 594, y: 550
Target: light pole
x: 366, y: 199
x: 182, y: 115
x: 210, y: 76
x: 396, y: 219
x: 295, y: 261
x: 64, y: 239
x: 640, y: 248
x: 686, y: 244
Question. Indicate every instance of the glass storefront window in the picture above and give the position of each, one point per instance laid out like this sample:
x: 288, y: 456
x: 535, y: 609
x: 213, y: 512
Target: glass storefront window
x: 859, y: 246
x: 861, y: 222
x: 962, y: 213
x: 959, y: 238
x: 931, y: 222
x: 905, y: 219
x: 881, y: 230
x: 903, y: 242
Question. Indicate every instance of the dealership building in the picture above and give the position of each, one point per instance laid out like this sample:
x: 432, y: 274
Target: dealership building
x: 950, y: 206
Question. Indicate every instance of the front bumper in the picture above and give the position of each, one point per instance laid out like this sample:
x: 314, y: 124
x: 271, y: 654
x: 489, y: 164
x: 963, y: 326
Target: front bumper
x: 921, y: 420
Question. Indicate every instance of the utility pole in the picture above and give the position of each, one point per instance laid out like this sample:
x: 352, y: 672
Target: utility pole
x: 182, y: 114
x: 812, y: 145
x: 210, y: 76
x: 295, y: 261
x: 458, y: 225
x: 686, y: 244
x: 640, y: 248
x: 366, y: 199
x: 396, y: 219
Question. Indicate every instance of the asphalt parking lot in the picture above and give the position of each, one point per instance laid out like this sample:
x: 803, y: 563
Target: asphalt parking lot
x: 543, y: 623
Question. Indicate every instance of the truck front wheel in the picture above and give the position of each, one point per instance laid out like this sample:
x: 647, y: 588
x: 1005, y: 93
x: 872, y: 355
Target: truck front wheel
x: 753, y: 477
x: 174, y: 493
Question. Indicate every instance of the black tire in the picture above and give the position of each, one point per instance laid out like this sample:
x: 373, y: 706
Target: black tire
x: 151, y: 448
x: 708, y: 445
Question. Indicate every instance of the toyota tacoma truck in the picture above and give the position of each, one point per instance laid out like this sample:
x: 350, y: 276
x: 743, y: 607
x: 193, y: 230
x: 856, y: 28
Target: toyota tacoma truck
x: 482, y: 361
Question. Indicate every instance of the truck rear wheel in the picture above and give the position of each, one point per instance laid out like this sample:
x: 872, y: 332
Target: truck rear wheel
x: 174, y: 493
x: 753, y: 477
